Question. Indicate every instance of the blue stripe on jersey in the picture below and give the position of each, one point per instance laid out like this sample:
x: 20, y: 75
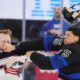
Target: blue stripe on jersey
x: 58, y: 61
x: 70, y: 76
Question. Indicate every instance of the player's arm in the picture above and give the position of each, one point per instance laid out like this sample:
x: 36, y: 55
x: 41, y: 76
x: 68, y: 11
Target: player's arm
x: 46, y: 44
x: 5, y: 54
x: 47, y: 63
x: 42, y: 61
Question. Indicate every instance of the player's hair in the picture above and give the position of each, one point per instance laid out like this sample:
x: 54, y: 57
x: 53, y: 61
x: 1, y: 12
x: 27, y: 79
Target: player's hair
x: 6, y: 31
x: 75, y: 30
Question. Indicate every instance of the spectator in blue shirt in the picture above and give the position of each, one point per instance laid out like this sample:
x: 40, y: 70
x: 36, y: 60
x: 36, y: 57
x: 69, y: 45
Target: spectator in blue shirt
x: 54, y: 26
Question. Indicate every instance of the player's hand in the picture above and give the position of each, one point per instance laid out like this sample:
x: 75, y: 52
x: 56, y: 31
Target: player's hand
x: 8, y: 47
x: 52, y: 31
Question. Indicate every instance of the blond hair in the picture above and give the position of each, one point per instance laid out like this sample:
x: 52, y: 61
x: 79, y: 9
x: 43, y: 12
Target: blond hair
x: 6, y: 31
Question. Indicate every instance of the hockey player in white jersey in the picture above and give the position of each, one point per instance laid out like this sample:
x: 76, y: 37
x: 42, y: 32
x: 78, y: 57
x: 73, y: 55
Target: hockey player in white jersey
x: 11, y: 67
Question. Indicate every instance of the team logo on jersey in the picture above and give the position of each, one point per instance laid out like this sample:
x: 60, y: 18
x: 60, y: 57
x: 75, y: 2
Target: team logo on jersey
x: 57, y: 41
x: 66, y: 53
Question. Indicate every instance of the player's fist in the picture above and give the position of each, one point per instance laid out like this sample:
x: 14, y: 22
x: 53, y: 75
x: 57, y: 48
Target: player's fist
x: 8, y: 47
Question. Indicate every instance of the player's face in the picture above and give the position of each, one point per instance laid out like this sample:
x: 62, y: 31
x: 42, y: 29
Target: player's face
x: 70, y: 38
x: 4, y: 38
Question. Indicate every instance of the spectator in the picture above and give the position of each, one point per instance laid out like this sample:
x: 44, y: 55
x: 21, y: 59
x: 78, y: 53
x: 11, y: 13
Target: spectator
x: 54, y: 27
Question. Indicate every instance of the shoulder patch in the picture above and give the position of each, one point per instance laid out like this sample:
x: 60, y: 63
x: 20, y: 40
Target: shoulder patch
x: 57, y: 41
x: 66, y: 53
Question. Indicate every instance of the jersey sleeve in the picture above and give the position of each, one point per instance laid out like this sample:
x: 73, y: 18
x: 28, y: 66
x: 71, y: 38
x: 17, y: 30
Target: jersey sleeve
x: 48, y: 43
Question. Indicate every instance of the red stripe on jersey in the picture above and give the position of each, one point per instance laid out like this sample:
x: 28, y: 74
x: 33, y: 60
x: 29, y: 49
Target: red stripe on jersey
x: 13, y: 71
